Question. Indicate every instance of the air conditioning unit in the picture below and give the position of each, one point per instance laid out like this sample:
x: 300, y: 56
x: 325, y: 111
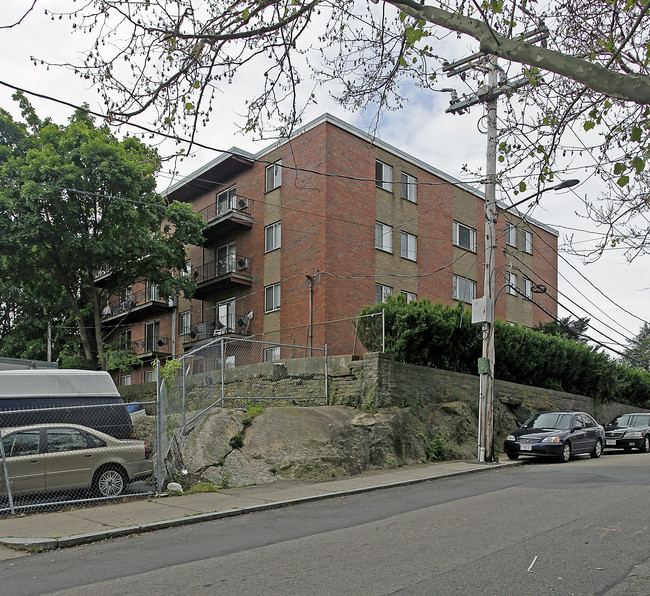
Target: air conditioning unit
x: 242, y: 323
x: 242, y: 264
x: 205, y: 329
x: 172, y: 301
x: 242, y: 204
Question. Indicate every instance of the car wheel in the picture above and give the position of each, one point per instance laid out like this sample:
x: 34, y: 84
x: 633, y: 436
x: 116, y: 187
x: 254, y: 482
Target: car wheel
x: 512, y: 455
x: 645, y: 446
x: 566, y: 453
x: 109, y: 482
x: 598, y: 449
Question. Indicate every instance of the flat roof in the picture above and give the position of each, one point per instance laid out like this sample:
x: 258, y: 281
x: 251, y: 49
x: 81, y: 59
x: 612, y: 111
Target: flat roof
x: 59, y: 382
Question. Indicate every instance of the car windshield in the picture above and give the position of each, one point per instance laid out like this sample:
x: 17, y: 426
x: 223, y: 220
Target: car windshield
x: 622, y: 420
x: 549, y: 420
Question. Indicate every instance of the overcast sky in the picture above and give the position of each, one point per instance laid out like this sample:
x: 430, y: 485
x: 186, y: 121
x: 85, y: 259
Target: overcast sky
x: 613, y: 293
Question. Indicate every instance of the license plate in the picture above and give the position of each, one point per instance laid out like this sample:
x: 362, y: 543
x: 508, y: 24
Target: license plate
x: 526, y: 447
x: 610, y: 442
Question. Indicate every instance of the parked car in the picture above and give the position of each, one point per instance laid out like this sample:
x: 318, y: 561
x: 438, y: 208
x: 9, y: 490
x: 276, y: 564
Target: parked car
x: 61, y: 457
x: 629, y: 431
x: 556, y: 434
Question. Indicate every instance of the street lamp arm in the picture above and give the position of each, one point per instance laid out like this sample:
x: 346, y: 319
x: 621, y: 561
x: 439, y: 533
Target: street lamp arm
x: 562, y: 185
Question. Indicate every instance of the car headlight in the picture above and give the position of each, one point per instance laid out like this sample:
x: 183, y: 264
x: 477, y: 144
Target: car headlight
x: 550, y: 440
x: 511, y: 438
x: 633, y: 434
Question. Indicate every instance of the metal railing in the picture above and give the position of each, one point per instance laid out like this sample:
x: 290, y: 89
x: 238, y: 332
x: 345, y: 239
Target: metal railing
x: 230, y: 265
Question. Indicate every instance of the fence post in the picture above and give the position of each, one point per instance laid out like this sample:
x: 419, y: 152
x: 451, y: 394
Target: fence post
x: 327, y: 395
x: 6, y: 472
x: 160, y: 429
x: 383, y: 330
x: 223, y: 370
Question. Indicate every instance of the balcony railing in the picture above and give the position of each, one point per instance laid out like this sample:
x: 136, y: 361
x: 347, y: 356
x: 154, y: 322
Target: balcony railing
x: 219, y: 208
x: 127, y: 302
x: 152, y: 345
x: 230, y: 323
x: 232, y: 265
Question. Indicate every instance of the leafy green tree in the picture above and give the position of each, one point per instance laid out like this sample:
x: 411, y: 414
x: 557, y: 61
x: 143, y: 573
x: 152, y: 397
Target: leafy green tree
x: 574, y: 329
x: 76, y: 200
x: 637, y: 354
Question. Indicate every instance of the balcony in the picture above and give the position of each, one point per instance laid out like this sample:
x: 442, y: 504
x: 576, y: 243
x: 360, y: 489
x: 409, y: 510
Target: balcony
x: 143, y: 301
x: 223, y: 216
x: 232, y: 271
x: 232, y: 324
x: 152, y: 347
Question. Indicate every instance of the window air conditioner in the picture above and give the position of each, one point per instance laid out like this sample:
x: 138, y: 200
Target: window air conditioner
x: 242, y: 264
x: 242, y: 204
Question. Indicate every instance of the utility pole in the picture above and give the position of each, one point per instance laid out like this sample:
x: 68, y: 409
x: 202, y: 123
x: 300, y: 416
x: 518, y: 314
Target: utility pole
x: 488, y: 95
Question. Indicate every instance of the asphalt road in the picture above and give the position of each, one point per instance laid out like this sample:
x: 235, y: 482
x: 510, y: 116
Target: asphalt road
x: 579, y: 528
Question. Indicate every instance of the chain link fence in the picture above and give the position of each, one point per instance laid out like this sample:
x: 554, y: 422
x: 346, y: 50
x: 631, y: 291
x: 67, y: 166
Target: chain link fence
x: 63, y: 455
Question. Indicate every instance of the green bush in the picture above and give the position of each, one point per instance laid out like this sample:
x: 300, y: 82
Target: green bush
x: 442, y: 336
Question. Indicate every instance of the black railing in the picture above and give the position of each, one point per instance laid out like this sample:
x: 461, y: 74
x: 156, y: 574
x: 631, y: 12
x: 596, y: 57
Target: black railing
x: 219, y: 208
x: 124, y: 303
x: 232, y: 264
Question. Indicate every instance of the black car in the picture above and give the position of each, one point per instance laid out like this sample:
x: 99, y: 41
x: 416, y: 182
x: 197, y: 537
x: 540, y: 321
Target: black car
x: 556, y: 434
x: 629, y: 431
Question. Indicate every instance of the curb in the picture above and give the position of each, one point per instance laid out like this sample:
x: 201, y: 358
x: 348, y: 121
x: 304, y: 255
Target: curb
x: 45, y: 544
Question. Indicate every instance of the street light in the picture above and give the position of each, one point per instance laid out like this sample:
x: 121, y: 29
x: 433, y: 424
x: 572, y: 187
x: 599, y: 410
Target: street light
x: 486, y: 305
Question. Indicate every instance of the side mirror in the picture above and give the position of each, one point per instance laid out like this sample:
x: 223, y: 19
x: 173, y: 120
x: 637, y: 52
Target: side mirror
x: 576, y: 427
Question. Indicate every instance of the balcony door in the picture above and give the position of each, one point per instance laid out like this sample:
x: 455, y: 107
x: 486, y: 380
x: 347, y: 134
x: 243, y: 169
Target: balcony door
x: 225, y: 316
x: 151, y: 336
x: 226, y: 258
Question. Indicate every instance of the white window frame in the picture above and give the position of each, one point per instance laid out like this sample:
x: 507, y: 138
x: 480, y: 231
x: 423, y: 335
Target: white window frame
x: 409, y: 187
x: 527, y: 288
x: 272, y: 354
x: 383, y: 237
x: 184, y: 322
x: 511, y: 235
x: 125, y: 380
x: 410, y: 296
x: 272, y: 298
x: 149, y: 374
x: 230, y: 362
x: 384, y: 175
x: 409, y: 246
x: 227, y: 200
x: 472, y: 236
x: 274, y: 176
x: 382, y: 291
x: 460, y: 286
x: 272, y: 236
x: 527, y: 242
x: 511, y: 280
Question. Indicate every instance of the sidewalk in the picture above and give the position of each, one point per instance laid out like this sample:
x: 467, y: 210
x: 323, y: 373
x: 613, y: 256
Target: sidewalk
x: 61, y: 529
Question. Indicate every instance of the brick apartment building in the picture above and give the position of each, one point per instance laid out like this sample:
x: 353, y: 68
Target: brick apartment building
x: 316, y: 227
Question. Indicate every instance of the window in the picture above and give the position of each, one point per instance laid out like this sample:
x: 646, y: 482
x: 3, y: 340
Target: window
x: 464, y: 236
x: 26, y: 442
x: 511, y: 280
x: 271, y: 354
x: 226, y: 200
x: 382, y: 293
x: 527, y: 242
x: 527, y: 288
x: 272, y: 298
x: 65, y: 439
x: 230, y: 362
x: 383, y: 237
x: 409, y: 246
x: 149, y: 376
x: 272, y: 237
x: 384, y: 176
x: 125, y: 380
x: 151, y: 292
x: 511, y: 235
x: 464, y: 289
x: 184, y: 322
x: 125, y: 340
x: 273, y: 176
x: 409, y: 187
x: 409, y: 296
x: 151, y: 336
x: 225, y: 320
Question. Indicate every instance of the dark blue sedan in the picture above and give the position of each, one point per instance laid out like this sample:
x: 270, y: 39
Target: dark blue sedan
x: 556, y: 434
